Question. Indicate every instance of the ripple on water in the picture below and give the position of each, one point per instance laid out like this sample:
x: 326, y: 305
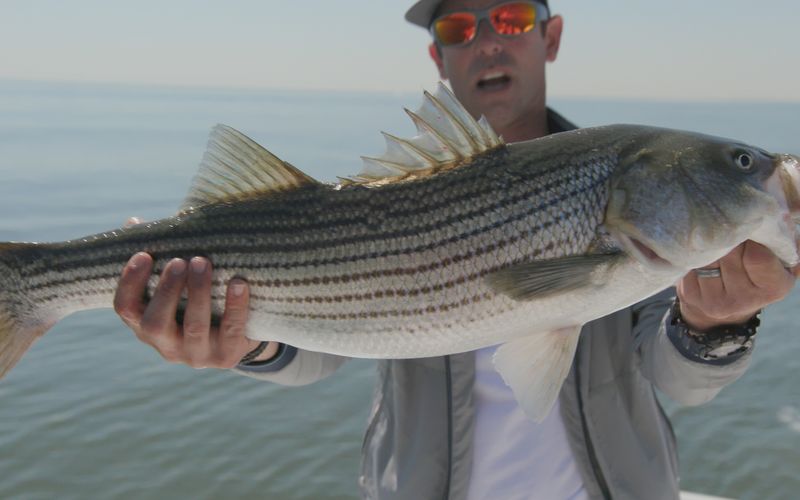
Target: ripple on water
x: 790, y: 417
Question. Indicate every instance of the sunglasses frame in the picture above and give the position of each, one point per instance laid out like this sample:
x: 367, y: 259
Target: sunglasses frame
x: 542, y: 14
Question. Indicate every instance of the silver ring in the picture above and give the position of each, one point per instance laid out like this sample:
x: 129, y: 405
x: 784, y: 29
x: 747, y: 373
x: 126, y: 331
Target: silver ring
x: 708, y: 273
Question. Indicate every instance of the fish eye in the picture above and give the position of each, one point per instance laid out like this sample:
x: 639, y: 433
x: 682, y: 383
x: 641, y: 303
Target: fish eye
x: 744, y: 160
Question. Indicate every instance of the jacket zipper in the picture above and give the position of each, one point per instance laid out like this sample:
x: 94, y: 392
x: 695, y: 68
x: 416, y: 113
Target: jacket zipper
x: 449, y: 390
x: 598, y: 474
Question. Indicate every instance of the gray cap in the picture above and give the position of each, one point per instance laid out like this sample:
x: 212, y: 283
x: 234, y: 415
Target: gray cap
x: 421, y: 13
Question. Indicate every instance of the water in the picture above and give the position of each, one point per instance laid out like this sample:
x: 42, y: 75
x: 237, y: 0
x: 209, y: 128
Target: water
x: 92, y: 413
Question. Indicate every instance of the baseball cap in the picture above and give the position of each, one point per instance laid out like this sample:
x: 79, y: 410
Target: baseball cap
x: 421, y: 13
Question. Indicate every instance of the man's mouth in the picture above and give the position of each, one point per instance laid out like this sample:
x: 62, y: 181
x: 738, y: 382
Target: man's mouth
x: 494, y: 81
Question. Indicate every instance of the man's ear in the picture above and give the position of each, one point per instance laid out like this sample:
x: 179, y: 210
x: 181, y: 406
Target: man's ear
x: 552, y: 36
x: 433, y: 51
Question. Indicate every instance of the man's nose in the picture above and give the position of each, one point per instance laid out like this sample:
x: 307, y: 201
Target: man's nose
x: 486, y: 38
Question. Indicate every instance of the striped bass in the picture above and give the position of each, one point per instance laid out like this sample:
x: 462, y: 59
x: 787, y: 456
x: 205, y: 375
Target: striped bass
x: 449, y: 242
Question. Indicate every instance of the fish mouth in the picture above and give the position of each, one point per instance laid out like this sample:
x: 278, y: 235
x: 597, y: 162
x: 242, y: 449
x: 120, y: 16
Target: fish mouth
x: 494, y: 81
x: 789, y: 175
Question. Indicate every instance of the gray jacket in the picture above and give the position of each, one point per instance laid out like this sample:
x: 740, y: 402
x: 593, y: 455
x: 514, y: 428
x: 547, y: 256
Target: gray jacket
x: 418, y: 444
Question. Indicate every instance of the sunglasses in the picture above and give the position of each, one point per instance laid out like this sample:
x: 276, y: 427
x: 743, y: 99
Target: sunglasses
x: 507, y: 19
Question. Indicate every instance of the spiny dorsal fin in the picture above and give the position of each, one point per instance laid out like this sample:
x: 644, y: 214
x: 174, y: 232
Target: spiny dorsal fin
x: 448, y: 137
x: 235, y: 167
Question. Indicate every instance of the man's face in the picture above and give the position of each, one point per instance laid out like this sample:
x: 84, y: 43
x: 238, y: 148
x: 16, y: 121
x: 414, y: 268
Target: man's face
x: 500, y: 77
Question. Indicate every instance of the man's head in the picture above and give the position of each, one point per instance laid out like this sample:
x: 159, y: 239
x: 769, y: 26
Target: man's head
x: 499, y: 76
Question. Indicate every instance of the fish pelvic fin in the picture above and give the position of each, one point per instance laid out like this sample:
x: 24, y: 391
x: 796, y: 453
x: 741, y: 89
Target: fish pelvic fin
x: 235, y: 167
x: 17, y: 331
x: 448, y: 137
x: 534, y: 367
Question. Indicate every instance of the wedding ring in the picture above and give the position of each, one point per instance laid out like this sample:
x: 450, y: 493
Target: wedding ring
x: 708, y: 273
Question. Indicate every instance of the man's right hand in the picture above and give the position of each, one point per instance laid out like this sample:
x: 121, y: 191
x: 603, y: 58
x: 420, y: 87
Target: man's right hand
x: 195, y: 342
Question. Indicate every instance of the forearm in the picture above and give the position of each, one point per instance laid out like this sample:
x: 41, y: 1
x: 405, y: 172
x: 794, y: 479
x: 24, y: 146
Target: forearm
x: 675, y: 368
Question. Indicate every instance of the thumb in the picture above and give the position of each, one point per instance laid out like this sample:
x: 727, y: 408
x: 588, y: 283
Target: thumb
x: 132, y: 221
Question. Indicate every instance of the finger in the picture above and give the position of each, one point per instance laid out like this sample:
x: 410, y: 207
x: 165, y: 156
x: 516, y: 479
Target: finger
x: 197, y: 318
x: 158, y: 325
x: 711, y: 288
x: 689, y: 288
x: 735, y: 278
x: 232, y: 344
x: 129, y: 298
x: 767, y: 272
x: 761, y: 264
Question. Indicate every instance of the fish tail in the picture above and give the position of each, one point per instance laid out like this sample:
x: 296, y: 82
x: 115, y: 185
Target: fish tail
x: 19, y: 326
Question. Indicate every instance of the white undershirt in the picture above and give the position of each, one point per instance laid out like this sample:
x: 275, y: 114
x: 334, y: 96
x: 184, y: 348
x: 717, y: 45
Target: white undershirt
x: 514, y: 457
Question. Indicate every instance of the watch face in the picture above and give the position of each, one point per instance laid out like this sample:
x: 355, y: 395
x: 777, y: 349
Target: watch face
x: 726, y: 349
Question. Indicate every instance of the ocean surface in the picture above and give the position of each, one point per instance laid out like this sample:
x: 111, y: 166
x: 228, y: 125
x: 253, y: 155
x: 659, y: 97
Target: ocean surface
x: 92, y: 413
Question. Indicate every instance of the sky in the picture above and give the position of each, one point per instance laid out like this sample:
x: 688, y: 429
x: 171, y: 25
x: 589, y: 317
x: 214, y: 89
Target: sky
x: 675, y: 50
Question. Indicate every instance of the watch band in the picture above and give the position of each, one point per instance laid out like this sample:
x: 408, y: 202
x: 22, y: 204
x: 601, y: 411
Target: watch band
x: 250, y: 356
x: 716, y: 343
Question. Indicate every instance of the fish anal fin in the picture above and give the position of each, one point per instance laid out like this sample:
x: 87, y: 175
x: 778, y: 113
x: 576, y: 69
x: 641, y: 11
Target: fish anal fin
x: 542, y: 278
x: 235, y: 168
x: 534, y: 367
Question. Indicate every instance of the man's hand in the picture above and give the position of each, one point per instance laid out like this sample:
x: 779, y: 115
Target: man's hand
x: 196, y: 343
x: 751, y: 277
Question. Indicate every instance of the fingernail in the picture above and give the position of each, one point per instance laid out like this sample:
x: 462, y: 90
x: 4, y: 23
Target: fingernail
x: 237, y: 288
x: 199, y: 265
x: 178, y: 266
x: 137, y: 261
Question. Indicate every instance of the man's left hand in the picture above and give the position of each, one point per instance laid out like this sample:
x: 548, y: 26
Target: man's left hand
x: 751, y: 277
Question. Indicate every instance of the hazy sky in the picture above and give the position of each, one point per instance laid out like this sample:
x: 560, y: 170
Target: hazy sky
x: 677, y: 49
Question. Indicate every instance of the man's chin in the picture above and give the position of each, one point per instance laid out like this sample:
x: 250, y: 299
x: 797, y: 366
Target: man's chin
x: 498, y: 112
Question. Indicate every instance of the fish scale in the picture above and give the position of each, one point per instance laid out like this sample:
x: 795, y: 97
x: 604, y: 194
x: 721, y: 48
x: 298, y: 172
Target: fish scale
x: 428, y: 239
x: 449, y: 242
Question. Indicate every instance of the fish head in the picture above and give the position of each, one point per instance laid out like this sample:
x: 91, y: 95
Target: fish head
x: 682, y: 200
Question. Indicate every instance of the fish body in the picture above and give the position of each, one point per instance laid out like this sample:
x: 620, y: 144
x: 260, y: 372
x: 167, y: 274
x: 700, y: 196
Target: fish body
x: 450, y: 242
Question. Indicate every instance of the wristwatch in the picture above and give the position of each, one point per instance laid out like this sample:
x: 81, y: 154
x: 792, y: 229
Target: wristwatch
x: 716, y: 343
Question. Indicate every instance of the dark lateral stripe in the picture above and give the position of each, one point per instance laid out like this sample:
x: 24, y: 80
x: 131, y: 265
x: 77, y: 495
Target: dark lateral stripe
x: 407, y: 202
x: 198, y: 233
x: 386, y: 293
x: 400, y: 271
x: 403, y: 200
x: 229, y: 249
x: 351, y: 277
x: 417, y: 223
x: 391, y: 313
x: 64, y: 294
x: 347, y: 278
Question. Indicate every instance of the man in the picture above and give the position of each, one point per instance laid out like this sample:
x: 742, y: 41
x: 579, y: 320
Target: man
x: 448, y: 427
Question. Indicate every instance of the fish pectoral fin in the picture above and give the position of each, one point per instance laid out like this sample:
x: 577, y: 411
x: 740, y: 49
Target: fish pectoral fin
x: 235, y: 168
x: 535, y: 367
x: 542, y: 278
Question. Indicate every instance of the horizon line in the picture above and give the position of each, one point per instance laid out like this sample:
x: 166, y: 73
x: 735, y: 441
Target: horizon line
x: 259, y: 88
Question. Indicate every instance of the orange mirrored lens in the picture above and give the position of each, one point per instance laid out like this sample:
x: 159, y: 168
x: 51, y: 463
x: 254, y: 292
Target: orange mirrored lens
x: 458, y: 27
x: 510, y: 19
x: 513, y: 18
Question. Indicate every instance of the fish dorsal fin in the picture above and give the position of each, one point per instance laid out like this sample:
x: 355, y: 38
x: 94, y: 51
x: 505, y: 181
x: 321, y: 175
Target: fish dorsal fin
x: 447, y: 137
x: 234, y: 167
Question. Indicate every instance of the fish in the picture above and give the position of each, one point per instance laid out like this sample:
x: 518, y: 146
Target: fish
x: 450, y: 241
